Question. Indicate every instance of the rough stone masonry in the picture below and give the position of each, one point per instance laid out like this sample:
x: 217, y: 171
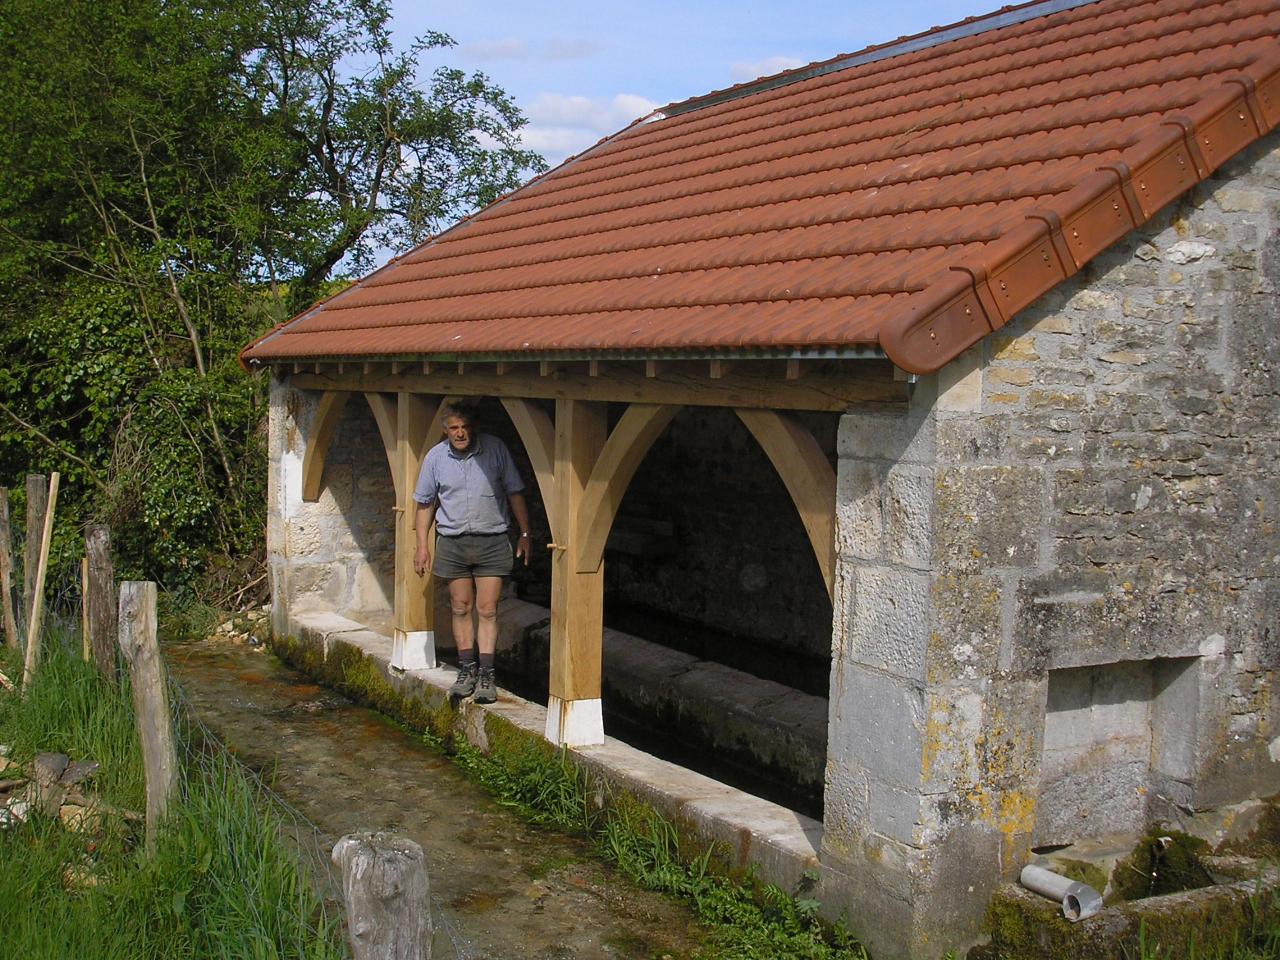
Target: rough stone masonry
x: 1056, y: 603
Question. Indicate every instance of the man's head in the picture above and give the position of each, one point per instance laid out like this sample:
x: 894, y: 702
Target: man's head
x: 458, y: 427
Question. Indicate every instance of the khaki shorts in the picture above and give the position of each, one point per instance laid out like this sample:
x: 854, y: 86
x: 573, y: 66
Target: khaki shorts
x: 473, y: 555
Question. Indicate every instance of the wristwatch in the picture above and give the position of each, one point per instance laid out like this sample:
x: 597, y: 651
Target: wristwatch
x: 525, y: 535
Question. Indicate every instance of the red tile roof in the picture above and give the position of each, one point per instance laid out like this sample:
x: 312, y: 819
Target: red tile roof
x: 913, y: 197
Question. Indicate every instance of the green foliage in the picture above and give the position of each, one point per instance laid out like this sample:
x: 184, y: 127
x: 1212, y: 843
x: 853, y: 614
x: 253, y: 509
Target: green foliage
x: 223, y: 881
x: 175, y: 178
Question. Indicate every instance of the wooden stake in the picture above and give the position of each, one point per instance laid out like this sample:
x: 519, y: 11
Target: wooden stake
x: 37, y: 500
x: 37, y: 597
x: 6, y: 572
x: 100, y: 601
x: 150, y: 699
x: 388, y: 896
x: 84, y: 609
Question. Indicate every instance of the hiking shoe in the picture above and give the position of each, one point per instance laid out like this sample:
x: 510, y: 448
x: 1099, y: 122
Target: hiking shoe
x: 465, y: 685
x: 487, y: 691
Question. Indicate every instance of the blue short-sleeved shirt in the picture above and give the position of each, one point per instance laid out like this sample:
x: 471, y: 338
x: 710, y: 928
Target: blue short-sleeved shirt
x: 470, y: 488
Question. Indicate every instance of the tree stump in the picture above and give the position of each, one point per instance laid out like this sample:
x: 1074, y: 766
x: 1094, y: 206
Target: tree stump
x: 388, y: 896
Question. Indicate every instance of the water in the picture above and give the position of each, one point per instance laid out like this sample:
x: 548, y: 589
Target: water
x: 500, y: 888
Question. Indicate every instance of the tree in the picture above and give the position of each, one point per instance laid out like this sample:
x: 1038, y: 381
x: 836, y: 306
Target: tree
x: 174, y: 177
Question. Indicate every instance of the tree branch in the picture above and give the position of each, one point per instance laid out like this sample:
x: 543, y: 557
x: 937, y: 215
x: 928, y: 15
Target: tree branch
x: 33, y: 429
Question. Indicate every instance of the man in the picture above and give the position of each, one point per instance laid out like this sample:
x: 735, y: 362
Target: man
x: 470, y: 487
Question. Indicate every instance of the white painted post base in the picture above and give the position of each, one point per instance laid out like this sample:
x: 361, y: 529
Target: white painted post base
x: 413, y: 649
x: 575, y: 723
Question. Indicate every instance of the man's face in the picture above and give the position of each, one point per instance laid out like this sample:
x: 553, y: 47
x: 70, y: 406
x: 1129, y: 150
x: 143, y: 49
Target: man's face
x: 458, y: 430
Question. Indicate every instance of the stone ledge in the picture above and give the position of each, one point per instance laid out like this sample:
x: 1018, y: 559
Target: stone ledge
x: 781, y: 843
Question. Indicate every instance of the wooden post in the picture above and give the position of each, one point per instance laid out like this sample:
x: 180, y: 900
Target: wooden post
x: 388, y: 896
x: 574, y: 714
x: 6, y: 572
x: 84, y: 608
x: 37, y: 500
x: 35, y: 622
x: 100, y: 600
x: 413, y: 638
x: 150, y: 699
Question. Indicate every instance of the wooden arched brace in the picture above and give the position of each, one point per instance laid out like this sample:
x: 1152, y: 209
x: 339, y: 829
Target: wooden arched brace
x: 328, y: 413
x: 538, y: 434
x: 808, y: 476
x: 630, y: 440
x: 385, y: 412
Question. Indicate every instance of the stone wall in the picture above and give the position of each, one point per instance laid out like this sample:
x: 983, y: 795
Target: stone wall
x: 1056, y: 599
x: 337, y: 553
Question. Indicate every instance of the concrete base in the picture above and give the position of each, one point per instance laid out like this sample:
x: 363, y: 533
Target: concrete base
x: 575, y: 723
x: 413, y: 650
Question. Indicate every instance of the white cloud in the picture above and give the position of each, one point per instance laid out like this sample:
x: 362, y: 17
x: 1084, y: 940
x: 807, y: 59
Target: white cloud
x: 742, y: 71
x: 510, y: 48
x: 561, y: 126
x: 571, y: 48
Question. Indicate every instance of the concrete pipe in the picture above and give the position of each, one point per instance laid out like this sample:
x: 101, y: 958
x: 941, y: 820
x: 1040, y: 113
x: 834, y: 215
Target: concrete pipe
x: 1079, y: 900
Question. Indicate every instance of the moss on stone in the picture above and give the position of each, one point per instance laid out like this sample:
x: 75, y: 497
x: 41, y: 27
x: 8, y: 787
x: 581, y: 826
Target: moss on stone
x: 1082, y: 871
x: 1163, y: 861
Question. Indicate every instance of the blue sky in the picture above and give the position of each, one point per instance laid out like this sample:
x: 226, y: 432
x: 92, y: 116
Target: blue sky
x: 581, y: 70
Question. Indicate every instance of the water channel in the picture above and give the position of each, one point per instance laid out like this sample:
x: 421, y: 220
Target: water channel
x: 500, y: 888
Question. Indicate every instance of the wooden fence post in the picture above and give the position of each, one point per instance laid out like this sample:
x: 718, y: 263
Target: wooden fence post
x: 37, y: 500
x: 100, y: 600
x: 36, y: 618
x: 150, y: 699
x: 388, y: 896
x: 6, y: 572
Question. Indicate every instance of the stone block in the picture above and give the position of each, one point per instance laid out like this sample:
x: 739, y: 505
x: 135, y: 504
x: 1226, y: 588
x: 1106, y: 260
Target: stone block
x: 845, y: 807
x: 959, y: 383
x: 893, y: 811
x: 969, y: 439
x: 900, y: 435
x: 1013, y: 348
x: 883, y: 620
x: 953, y: 729
x: 336, y: 490
x: 908, y: 506
x: 965, y: 641
x: 987, y: 516
x: 877, y: 725
x: 859, y: 510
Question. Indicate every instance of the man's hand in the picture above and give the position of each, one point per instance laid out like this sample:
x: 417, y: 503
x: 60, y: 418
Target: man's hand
x: 422, y: 561
x: 522, y: 549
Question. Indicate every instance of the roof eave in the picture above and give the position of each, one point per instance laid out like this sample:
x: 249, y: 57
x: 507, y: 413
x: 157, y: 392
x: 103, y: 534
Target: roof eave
x: 980, y: 295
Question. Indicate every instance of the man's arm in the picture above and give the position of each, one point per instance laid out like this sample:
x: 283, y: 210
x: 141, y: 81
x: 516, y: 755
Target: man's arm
x: 422, y: 525
x: 520, y: 510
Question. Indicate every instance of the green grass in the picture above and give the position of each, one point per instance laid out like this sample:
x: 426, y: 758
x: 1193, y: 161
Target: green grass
x: 223, y: 883
x: 748, y: 920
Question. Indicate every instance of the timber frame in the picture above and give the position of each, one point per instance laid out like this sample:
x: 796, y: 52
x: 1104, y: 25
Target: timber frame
x: 583, y: 469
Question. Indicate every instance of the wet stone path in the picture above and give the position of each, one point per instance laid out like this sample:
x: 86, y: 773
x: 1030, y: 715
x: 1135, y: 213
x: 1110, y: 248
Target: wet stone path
x: 501, y: 889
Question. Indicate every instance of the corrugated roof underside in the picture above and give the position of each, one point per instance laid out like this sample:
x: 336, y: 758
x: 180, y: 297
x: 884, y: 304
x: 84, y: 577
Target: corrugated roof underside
x: 804, y: 216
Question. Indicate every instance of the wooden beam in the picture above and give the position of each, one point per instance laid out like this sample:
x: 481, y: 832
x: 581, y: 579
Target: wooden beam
x: 413, y: 640
x: 718, y: 369
x: 503, y: 367
x: 747, y: 385
x: 593, y: 368
x: 651, y: 369
x: 328, y: 413
x: 808, y: 476
x: 538, y: 434
x: 630, y: 440
x: 574, y: 714
x: 793, y: 369
x: 384, y: 414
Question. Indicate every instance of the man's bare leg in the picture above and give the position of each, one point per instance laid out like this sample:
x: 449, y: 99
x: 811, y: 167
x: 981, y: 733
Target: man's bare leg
x: 488, y: 592
x: 461, y: 602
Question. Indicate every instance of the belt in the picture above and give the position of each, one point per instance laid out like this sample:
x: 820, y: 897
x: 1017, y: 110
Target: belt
x: 455, y: 536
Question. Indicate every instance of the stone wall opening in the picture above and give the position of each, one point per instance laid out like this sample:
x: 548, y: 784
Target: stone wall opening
x: 1112, y: 734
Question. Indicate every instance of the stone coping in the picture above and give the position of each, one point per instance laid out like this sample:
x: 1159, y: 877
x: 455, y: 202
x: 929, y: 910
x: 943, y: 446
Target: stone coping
x: 781, y: 843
